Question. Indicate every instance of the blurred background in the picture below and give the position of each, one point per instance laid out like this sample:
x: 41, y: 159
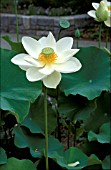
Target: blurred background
x: 47, y: 7
x: 89, y: 29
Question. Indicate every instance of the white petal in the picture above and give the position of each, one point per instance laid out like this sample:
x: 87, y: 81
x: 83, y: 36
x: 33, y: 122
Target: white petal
x: 32, y: 46
x: 108, y: 3
x: 25, y: 68
x: 33, y: 61
x: 108, y: 22
x: 109, y: 14
x: 19, y: 60
x: 33, y: 74
x: 95, y: 5
x: 66, y: 55
x: 105, y: 1
x: 50, y: 41
x: 42, y: 41
x: 48, y: 69
x: 92, y: 13
x: 108, y: 6
x: 70, y: 66
x: 64, y: 44
x: 52, y: 80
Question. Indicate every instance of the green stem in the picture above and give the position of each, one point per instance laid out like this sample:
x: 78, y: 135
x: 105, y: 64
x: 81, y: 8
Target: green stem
x: 99, y: 42
x: 75, y: 135
x: 76, y: 42
x: 46, y: 128
x: 59, y: 33
x: 17, y: 30
x: 106, y: 37
x: 68, y: 137
x: 58, y: 116
x: 58, y: 123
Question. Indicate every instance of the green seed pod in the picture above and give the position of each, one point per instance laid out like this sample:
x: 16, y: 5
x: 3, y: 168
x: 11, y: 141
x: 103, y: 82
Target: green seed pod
x: 102, y: 12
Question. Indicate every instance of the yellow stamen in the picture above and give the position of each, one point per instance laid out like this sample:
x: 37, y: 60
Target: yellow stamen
x: 47, y: 56
x: 109, y: 8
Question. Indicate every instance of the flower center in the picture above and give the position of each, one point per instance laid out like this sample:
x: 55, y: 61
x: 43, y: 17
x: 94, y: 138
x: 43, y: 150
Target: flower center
x: 47, y: 51
x: 47, y: 55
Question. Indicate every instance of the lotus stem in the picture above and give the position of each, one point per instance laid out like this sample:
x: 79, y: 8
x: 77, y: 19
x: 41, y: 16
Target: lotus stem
x: 77, y: 43
x: 60, y: 29
x: 17, y: 30
x: 46, y: 128
x: 106, y: 37
x: 58, y: 116
x: 100, y: 30
x: 75, y: 135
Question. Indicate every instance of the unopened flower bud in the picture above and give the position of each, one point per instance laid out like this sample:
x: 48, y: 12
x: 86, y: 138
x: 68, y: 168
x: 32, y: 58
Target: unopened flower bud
x: 102, y: 12
x: 77, y: 33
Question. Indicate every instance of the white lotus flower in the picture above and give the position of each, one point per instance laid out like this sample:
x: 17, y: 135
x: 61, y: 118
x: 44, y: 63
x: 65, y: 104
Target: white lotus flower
x: 102, y: 12
x: 47, y: 59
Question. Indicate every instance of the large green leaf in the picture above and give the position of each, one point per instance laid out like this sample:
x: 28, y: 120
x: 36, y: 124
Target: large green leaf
x: 16, y: 46
x: 17, y: 164
x: 93, y: 159
x: 76, y: 107
x: 35, y: 120
x: 3, y: 156
x: 73, y: 155
x: 52, y: 165
x: 103, y: 136
x: 24, y: 138
x: 92, y: 78
x: 107, y: 163
x: 16, y: 91
x: 100, y: 150
x: 93, y: 167
x: 100, y: 115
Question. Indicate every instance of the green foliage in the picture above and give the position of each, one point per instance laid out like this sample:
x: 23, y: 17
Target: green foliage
x: 76, y: 107
x: 106, y: 162
x: 103, y: 136
x: 17, y: 164
x: 38, y: 10
x: 16, y: 91
x: 94, y: 76
x: 102, y: 112
x: 71, y: 156
x: 24, y: 138
x: 57, y: 3
x: 35, y: 120
x: 60, y: 11
x: 54, y: 7
x: 78, y: 115
x: 93, y: 159
x: 4, y: 4
x: 3, y: 156
x: 15, y: 46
